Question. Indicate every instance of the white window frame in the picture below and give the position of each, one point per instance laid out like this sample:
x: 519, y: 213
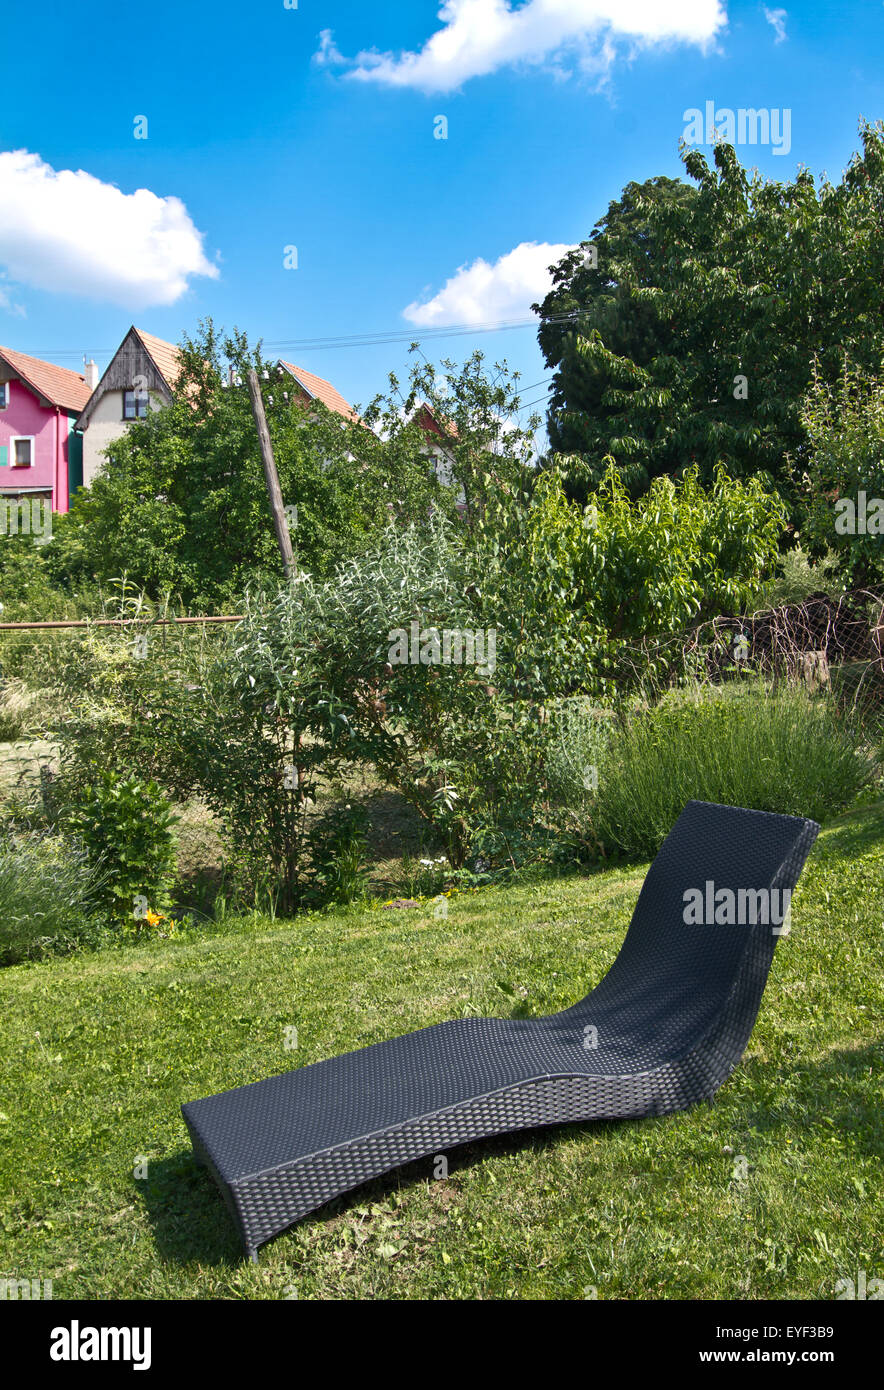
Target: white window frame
x: 19, y: 439
x: 4, y: 395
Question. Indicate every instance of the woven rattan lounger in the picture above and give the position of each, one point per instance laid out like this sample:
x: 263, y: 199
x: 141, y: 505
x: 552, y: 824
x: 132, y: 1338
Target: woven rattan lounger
x: 663, y: 1030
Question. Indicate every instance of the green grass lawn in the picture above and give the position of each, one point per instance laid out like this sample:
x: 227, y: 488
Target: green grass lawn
x: 773, y: 1190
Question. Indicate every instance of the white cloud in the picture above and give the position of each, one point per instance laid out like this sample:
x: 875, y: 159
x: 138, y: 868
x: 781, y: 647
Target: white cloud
x: 483, y: 293
x: 478, y: 37
x: 68, y: 231
x: 327, y: 54
x: 777, y: 18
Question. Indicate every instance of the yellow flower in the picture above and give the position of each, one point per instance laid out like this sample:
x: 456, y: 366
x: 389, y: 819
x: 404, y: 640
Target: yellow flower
x: 154, y: 917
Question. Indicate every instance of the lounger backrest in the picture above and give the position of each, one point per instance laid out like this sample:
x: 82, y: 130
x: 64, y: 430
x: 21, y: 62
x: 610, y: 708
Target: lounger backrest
x: 719, y: 867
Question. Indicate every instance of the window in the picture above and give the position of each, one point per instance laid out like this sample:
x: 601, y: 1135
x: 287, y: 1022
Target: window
x: 4, y: 394
x: 135, y: 405
x: 22, y: 451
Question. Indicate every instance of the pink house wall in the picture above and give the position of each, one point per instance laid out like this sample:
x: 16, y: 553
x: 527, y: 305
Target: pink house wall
x: 49, y: 427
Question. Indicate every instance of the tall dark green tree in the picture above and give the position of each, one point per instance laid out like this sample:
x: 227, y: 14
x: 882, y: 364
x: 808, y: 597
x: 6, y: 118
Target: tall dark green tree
x: 693, y: 340
x: 597, y: 297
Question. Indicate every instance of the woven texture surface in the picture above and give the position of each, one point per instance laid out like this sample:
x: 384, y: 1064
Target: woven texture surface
x: 669, y: 1023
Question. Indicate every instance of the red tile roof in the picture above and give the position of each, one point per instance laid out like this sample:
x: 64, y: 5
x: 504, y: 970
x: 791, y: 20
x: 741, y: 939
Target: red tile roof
x: 430, y: 423
x: 321, y: 390
x: 165, y: 356
x: 64, y: 388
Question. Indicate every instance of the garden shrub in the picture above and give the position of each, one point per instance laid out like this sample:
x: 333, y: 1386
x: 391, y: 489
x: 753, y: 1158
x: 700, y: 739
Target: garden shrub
x: 579, y: 733
x: 338, y: 842
x: 187, y: 717
x: 313, y: 665
x: 843, y: 487
x: 126, y: 828
x: 567, y: 585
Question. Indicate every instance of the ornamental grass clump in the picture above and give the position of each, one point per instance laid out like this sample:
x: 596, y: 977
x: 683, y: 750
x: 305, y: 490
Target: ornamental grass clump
x: 46, y: 904
x: 779, y: 750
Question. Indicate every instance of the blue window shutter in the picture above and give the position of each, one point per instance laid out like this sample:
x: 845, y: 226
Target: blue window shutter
x: 4, y: 455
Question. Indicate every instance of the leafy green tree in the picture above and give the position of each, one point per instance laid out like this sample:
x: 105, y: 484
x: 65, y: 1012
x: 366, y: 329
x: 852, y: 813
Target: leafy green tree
x: 842, y: 487
x: 598, y: 290
x: 567, y: 584
x: 181, y: 508
x: 481, y: 444
x: 693, y: 340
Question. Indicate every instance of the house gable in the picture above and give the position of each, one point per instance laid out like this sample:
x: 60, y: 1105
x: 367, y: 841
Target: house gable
x: 39, y: 404
x: 141, y: 363
x: 140, y: 360
x: 54, y: 387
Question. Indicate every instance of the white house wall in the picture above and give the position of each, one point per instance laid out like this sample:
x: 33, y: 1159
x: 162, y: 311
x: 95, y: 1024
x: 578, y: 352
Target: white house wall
x: 105, y: 425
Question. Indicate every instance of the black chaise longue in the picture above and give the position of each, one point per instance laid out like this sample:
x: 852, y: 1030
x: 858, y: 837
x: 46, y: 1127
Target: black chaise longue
x: 663, y: 1030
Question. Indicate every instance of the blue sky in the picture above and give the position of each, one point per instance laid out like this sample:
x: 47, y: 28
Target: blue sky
x: 266, y: 129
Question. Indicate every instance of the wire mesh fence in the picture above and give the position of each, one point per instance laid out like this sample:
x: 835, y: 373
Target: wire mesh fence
x: 820, y: 641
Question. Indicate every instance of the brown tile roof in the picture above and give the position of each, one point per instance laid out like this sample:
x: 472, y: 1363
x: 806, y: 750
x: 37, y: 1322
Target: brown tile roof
x: 64, y: 388
x: 322, y: 390
x: 431, y: 424
x: 165, y: 356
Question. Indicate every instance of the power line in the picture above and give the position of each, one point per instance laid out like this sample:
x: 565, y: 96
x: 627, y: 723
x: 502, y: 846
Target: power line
x: 540, y: 400
x: 398, y: 335
x: 379, y: 338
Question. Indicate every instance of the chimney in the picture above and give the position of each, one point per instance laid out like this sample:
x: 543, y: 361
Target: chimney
x: 90, y: 372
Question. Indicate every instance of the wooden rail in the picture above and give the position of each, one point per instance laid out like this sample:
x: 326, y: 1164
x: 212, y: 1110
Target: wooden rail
x: 120, y: 622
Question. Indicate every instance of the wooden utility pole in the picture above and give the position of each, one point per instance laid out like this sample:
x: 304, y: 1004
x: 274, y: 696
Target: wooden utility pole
x: 271, y: 476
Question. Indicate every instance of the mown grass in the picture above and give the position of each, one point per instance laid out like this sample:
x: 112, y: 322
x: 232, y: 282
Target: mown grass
x: 100, y: 1050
